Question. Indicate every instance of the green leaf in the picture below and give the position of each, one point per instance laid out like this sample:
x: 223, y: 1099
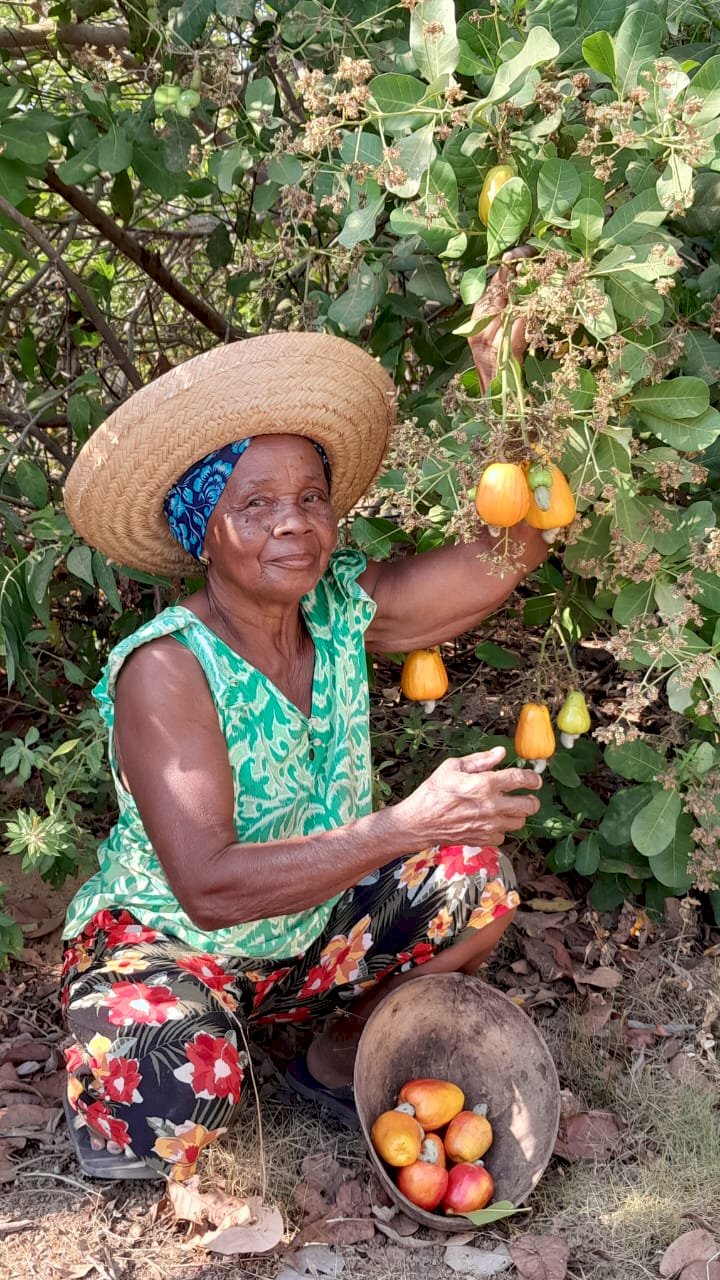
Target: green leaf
x: 638, y: 41
x: 674, y: 398
x: 287, y: 171
x: 80, y: 168
x: 652, y: 827
x: 30, y: 137
x: 583, y: 803
x: 621, y: 810
x: 634, y: 299
x: 601, y: 324
x: 12, y: 180
x: 79, y: 563
x: 561, y: 768
x: 634, y: 601
x: 509, y: 215
x: 122, y: 197
x: 675, y: 184
x: 633, y: 220
x: 428, y: 281
x: 606, y: 893
x: 361, y: 223
x: 39, y: 572
x: 635, y: 760
x: 562, y: 855
x: 105, y: 579
x: 365, y: 289
x: 224, y: 165
x: 218, y: 247
x: 114, y: 151
x: 395, y: 96
x: 558, y: 187
x: 493, y: 1213
x: 705, y: 85
x: 31, y: 482
x: 598, y: 51
x: 472, y: 285
x: 587, y: 856
x: 670, y: 866
x: 495, y: 656
x: 708, y: 592
x: 592, y: 15
x: 260, y: 100
x: 151, y: 169
x: 73, y: 673
x: 689, y: 524
x: 701, y: 356
x: 435, y: 54
x: 189, y: 21
x: 691, y: 436
x: 415, y: 154
x: 587, y: 225
x: 539, y: 47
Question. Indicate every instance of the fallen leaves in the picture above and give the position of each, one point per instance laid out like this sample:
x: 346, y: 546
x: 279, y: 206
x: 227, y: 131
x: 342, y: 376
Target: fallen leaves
x: 586, y: 1135
x: 693, y: 1256
x: 480, y: 1263
x: 335, y: 1205
x: 221, y: 1222
x: 540, y: 1257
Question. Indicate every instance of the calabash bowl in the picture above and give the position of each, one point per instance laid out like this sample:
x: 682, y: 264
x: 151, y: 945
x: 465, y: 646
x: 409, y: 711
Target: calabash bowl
x: 455, y: 1027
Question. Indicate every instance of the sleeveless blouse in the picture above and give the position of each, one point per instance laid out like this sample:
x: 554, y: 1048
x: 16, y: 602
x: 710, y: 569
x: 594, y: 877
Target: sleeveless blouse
x: 293, y: 775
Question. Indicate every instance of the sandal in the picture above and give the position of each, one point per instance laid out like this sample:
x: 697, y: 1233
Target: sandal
x: 99, y: 1162
x: 339, y: 1101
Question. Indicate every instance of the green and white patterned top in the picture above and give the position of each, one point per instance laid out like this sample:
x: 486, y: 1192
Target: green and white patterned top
x: 292, y: 776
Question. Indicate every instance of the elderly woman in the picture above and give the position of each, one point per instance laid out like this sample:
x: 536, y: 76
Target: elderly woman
x: 247, y: 880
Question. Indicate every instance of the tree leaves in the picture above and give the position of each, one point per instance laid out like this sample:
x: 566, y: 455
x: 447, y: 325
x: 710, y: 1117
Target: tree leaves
x: 433, y: 38
x: 558, y: 187
x: 653, y: 826
x: 509, y: 214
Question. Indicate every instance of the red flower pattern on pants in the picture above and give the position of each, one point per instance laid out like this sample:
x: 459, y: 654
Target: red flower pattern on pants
x: 155, y: 1069
x: 213, y: 1067
x: 99, y: 1118
x: 129, y: 1002
x: 121, y: 1079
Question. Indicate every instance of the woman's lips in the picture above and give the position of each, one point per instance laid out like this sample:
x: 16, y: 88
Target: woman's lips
x: 295, y: 562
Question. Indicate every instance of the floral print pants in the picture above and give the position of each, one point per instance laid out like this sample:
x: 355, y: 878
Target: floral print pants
x: 157, y: 1058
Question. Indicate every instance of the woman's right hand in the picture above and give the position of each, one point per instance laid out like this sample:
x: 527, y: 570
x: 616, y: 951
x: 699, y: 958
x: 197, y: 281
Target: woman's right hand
x: 467, y: 800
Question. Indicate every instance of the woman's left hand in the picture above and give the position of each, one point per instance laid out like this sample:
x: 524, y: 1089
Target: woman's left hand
x: 485, y: 345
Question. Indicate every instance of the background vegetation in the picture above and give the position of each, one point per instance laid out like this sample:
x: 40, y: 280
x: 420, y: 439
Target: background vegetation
x: 172, y: 177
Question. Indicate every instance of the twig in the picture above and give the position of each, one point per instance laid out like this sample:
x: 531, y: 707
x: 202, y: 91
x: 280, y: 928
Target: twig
x: 86, y: 301
x: 9, y: 1228
x: 73, y: 35
x: 59, y: 1177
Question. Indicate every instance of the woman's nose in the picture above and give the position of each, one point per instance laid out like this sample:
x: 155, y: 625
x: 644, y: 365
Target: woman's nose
x: 291, y: 517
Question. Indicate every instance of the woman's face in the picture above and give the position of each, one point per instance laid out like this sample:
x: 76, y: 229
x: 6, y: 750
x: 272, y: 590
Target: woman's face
x: 274, y: 527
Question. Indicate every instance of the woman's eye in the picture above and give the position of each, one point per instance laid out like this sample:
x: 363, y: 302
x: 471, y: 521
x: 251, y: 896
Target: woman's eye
x: 256, y: 502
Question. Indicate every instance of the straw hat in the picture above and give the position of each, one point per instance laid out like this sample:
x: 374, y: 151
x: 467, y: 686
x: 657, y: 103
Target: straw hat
x: 308, y: 384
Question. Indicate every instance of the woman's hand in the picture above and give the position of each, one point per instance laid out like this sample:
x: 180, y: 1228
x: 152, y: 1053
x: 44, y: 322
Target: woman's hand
x: 466, y: 802
x: 485, y: 346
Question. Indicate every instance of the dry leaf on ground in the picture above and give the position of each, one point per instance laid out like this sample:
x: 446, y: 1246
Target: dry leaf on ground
x: 540, y: 1258
x: 315, y: 1260
x: 603, y: 977
x: 596, y: 1014
x: 480, y: 1263
x: 24, y: 1048
x: 262, y: 1234
x: 701, y: 1271
x: 335, y: 1205
x: 185, y: 1202
x: 551, y: 904
x: 589, y: 1135
x: 692, y: 1246
x: 24, y: 1116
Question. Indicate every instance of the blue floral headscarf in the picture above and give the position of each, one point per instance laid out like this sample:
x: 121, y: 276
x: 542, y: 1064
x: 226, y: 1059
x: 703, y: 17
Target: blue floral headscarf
x: 193, y: 498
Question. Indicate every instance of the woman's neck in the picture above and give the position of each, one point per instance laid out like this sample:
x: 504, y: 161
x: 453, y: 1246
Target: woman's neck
x: 255, y: 627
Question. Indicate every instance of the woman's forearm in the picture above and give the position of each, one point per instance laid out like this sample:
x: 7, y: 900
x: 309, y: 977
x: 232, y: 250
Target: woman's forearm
x: 244, y: 882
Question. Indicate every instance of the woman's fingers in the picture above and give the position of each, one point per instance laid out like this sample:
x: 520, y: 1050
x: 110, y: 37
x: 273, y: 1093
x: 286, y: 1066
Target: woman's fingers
x: 516, y: 779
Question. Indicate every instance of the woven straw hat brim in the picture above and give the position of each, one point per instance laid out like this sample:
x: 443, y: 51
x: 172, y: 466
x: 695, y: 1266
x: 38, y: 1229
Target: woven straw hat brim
x: 308, y: 384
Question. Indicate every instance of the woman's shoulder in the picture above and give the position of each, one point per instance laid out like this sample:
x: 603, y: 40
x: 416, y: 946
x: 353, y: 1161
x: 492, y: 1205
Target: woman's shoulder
x: 148, y: 651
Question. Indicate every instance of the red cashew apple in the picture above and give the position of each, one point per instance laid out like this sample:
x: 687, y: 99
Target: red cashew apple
x: 435, y: 1101
x: 470, y: 1187
x: 423, y: 1183
x: 469, y: 1135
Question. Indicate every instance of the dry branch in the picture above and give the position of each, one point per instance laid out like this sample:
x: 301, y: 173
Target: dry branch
x: 148, y: 260
x: 74, y: 35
